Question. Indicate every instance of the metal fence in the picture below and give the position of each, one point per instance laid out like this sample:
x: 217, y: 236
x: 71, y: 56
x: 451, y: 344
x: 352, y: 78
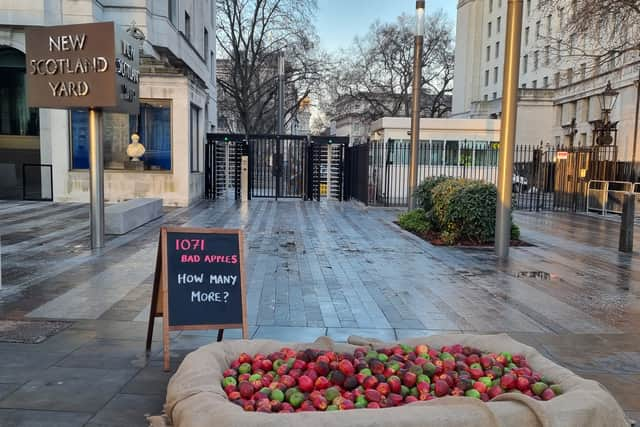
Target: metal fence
x: 545, y: 177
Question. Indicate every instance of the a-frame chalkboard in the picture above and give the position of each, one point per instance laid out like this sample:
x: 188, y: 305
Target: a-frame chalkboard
x: 199, y: 283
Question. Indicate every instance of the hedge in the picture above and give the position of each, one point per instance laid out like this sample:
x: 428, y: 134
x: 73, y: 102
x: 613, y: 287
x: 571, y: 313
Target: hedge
x: 459, y: 209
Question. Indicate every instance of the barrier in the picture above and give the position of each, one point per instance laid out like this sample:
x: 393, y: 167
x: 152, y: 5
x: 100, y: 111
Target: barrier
x: 608, y: 196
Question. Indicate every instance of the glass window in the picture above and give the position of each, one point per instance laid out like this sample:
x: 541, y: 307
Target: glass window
x: 206, y: 45
x: 451, y: 153
x: 15, y: 117
x: 499, y: 24
x: 485, y: 154
x: 194, y: 138
x: 187, y: 26
x: 172, y: 11
x: 153, y: 125
x: 437, y: 152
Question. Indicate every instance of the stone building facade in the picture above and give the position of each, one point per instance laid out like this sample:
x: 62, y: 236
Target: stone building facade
x: 558, y: 90
x: 177, y: 102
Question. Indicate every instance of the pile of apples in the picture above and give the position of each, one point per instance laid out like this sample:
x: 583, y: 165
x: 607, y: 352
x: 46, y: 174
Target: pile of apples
x: 317, y: 380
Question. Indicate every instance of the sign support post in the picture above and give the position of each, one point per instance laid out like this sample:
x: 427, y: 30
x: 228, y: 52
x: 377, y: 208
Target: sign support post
x: 96, y: 177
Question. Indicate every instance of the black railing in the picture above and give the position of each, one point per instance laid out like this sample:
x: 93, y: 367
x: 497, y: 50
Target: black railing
x: 544, y: 177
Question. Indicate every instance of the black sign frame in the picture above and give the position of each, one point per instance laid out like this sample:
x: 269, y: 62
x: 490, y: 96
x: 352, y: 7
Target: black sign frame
x: 161, y: 290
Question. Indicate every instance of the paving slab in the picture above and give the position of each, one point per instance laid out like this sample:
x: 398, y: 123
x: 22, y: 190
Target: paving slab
x: 69, y: 389
x: 23, y: 418
x: 128, y: 410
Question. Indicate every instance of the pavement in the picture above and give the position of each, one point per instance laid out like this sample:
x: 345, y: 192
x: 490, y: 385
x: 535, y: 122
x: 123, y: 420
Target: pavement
x: 313, y: 268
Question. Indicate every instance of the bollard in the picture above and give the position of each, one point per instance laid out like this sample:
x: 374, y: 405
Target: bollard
x: 244, y: 178
x: 627, y: 223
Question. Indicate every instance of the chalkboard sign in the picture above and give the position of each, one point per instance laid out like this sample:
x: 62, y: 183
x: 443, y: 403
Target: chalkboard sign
x: 199, y: 283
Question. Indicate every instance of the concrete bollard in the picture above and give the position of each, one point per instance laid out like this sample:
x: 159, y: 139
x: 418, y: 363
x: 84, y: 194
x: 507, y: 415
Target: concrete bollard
x: 627, y: 223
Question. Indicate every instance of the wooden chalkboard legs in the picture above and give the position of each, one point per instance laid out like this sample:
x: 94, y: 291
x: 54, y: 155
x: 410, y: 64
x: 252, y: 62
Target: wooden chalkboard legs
x: 154, y: 297
x: 220, y: 333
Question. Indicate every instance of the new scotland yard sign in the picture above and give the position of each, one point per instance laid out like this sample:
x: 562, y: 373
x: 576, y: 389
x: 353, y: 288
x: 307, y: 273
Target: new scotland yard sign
x: 82, y: 66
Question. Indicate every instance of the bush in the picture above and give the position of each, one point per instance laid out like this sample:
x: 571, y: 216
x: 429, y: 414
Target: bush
x: 515, y: 231
x: 423, y: 193
x: 441, y: 196
x: 471, y: 214
x: 415, y: 221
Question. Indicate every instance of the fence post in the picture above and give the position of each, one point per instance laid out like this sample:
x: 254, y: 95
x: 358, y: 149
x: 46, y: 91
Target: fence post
x: 627, y: 223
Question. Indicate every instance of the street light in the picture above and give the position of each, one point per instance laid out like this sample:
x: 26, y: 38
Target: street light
x: 604, y: 127
x: 415, y: 113
x: 607, y: 100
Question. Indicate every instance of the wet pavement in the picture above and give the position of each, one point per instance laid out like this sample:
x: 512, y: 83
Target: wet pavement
x: 313, y: 269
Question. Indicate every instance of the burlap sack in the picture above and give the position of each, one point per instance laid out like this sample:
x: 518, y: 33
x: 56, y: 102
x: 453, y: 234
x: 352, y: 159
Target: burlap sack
x: 195, y: 397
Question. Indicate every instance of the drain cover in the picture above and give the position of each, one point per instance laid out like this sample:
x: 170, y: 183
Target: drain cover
x: 29, y: 332
x: 540, y: 275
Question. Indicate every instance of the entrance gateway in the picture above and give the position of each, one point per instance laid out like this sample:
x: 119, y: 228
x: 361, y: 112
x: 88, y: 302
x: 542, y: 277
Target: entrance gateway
x: 280, y: 166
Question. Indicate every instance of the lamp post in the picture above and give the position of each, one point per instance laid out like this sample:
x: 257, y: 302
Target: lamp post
x: 415, y: 113
x: 508, y: 127
x: 607, y: 100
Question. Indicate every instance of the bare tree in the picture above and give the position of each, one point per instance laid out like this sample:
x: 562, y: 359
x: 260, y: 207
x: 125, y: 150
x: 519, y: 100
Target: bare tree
x: 595, y: 32
x: 251, y: 34
x: 378, y: 69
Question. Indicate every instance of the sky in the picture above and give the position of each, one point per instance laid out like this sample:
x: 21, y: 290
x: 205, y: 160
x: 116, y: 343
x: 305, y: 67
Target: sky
x: 339, y: 21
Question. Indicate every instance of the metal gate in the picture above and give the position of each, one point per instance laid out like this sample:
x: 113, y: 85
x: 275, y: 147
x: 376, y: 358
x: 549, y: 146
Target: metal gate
x: 277, y: 166
x: 223, y: 156
x: 327, y: 160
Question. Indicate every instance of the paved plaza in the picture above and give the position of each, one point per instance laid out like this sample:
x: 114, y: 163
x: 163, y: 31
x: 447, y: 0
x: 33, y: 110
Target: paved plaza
x: 313, y: 268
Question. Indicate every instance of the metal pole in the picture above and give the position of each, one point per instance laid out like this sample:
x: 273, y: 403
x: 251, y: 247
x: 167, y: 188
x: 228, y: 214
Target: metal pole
x: 281, y: 93
x: 96, y: 177
x: 635, y: 129
x: 508, y: 127
x: 415, y: 107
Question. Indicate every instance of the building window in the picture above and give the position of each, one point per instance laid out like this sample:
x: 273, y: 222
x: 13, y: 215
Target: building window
x: 153, y: 125
x: 561, y: 17
x: 206, y: 45
x: 495, y: 74
x: 525, y: 64
x: 526, y: 36
x: 499, y: 3
x: 583, y: 71
x: 485, y: 97
x: 570, y: 76
x: 194, y: 138
x: 490, y: 6
x: 489, y: 29
x: 488, y: 53
x: 534, y: 84
x: 536, y: 59
x: 556, y: 80
x: 495, y: 95
x: 549, y: 26
x: 172, y: 4
x: 545, y: 82
x: 213, y: 68
x: 547, y: 55
x: 498, y: 24
x: 538, y: 30
x: 524, y: 85
x: 15, y: 117
x: 497, y: 49
x: 528, y: 7
x: 558, y: 49
x: 486, y: 77
x: 572, y: 43
x: 187, y: 26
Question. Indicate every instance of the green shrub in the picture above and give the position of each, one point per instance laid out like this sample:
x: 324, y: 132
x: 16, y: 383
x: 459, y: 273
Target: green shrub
x: 515, y: 231
x: 423, y: 192
x: 415, y: 221
x: 441, y: 196
x: 471, y: 214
